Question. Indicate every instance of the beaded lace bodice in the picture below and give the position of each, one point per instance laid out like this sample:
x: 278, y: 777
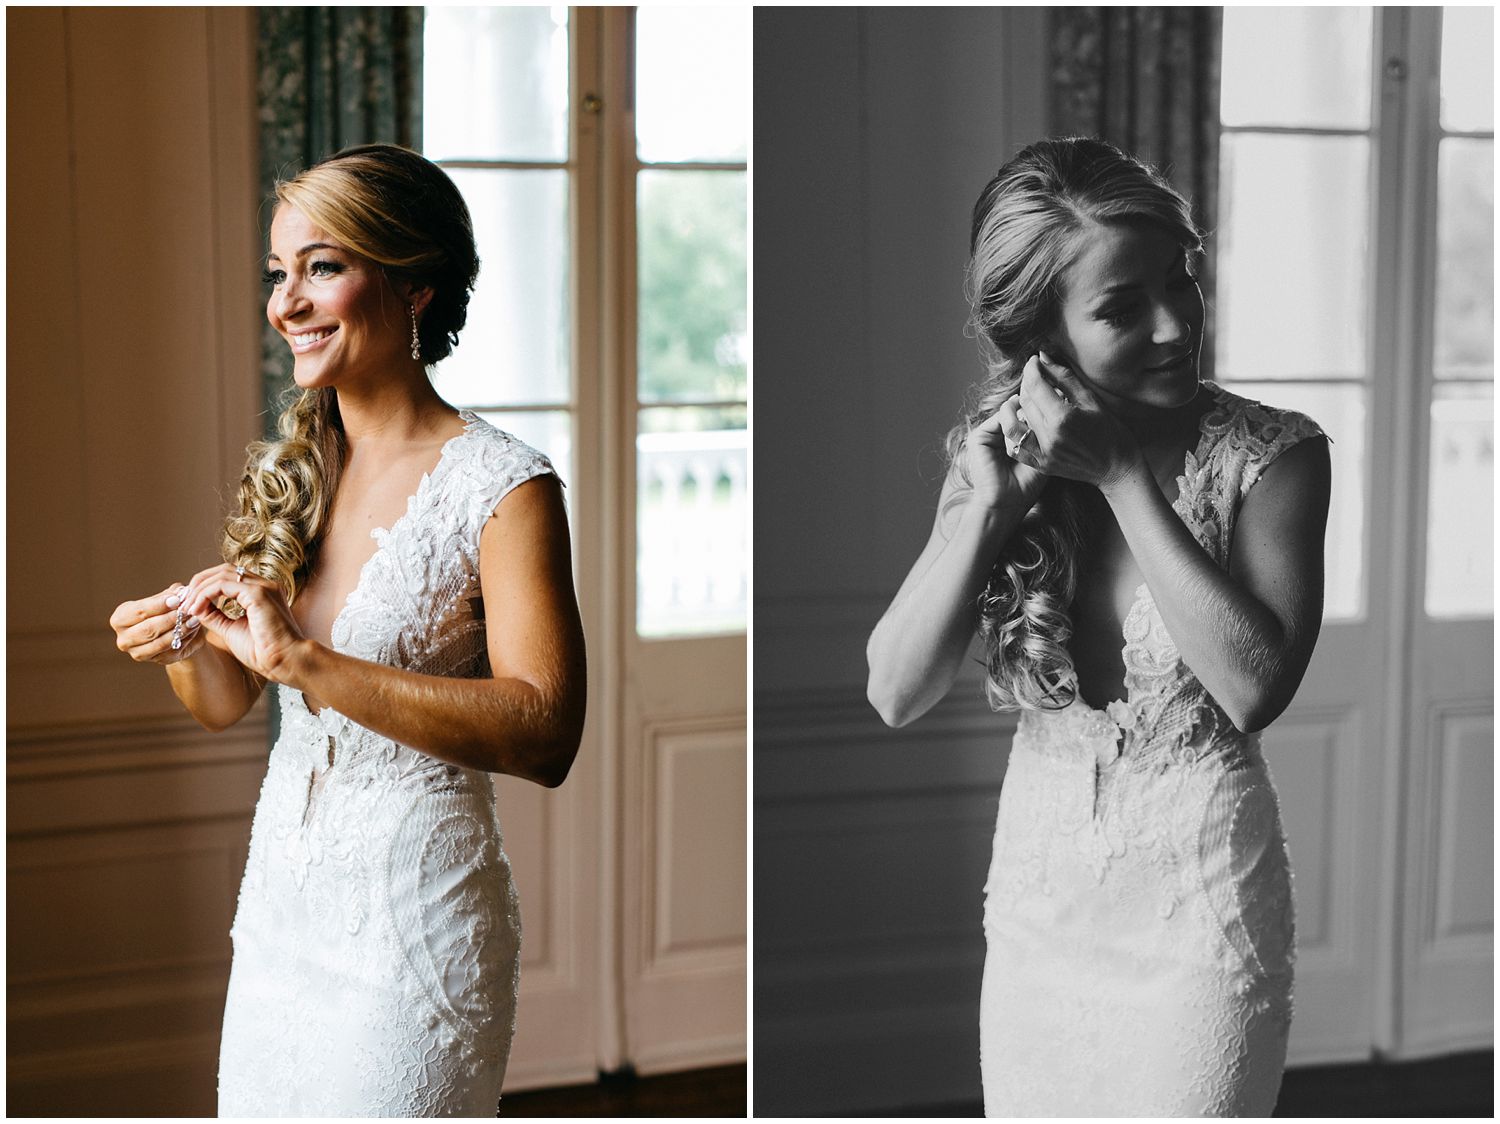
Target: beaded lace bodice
x: 377, y: 935
x: 1142, y: 842
x: 1168, y: 716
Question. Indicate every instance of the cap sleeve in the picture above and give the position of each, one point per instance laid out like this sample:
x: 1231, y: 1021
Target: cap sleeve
x: 1271, y: 431
x: 499, y: 463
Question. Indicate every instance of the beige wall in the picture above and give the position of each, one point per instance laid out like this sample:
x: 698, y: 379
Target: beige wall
x: 132, y: 387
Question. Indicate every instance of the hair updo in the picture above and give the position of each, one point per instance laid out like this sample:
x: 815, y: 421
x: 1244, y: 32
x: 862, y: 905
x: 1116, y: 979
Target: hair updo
x: 401, y: 211
x: 1030, y: 224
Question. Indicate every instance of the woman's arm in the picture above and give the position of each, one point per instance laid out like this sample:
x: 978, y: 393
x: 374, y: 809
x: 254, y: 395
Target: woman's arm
x: 918, y: 647
x: 526, y: 720
x: 1248, y: 632
x: 215, y: 687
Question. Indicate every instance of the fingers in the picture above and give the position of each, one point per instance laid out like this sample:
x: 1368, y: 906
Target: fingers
x: 1070, y: 386
x: 220, y: 579
x: 222, y: 570
x: 151, y: 640
x: 224, y: 596
x: 1013, y: 424
x: 1045, y: 401
x: 205, y: 590
x: 130, y: 613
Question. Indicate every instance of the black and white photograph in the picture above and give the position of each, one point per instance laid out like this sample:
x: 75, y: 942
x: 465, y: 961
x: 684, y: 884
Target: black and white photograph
x: 1123, y: 539
x: 378, y: 512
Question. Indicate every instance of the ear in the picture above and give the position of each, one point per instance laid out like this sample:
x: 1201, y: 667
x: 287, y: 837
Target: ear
x: 418, y: 296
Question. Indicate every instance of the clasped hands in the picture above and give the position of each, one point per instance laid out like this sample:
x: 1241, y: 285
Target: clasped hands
x: 265, y: 638
x: 1056, y: 426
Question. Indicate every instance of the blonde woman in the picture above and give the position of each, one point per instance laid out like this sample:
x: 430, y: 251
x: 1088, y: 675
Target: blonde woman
x: 401, y: 571
x: 1140, y: 555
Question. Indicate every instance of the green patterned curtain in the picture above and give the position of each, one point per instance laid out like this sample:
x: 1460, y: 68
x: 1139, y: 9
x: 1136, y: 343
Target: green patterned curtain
x: 1147, y: 80
x: 329, y: 78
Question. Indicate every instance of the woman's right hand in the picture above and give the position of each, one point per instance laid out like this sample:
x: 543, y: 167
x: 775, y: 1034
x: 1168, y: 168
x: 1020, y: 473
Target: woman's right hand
x: 996, y: 476
x: 143, y: 629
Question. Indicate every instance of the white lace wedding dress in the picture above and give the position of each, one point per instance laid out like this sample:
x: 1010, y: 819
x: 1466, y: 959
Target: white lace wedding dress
x: 1138, y: 909
x: 377, y: 940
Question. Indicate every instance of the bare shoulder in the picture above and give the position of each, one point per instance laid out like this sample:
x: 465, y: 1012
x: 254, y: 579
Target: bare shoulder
x: 528, y: 528
x: 1277, y: 548
x: 1295, y: 485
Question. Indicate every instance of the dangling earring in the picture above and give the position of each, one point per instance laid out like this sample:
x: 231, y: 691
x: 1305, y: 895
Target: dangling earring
x: 416, y: 342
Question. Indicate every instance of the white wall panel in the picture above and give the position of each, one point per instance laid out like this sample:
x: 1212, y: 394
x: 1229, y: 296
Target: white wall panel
x: 1322, y: 765
x: 1462, y: 873
x: 549, y: 839
x: 1449, y: 963
x: 685, y: 943
x: 700, y: 834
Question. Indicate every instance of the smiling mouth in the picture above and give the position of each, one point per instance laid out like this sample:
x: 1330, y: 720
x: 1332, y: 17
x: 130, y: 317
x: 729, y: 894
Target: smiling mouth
x: 306, y: 341
x: 1173, y: 364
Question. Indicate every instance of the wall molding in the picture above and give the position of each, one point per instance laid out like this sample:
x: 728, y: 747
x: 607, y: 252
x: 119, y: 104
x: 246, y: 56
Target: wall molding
x: 74, y: 750
x: 132, y: 1056
x: 665, y: 955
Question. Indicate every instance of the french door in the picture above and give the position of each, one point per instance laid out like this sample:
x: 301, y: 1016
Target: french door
x: 1356, y: 242
x: 611, y: 333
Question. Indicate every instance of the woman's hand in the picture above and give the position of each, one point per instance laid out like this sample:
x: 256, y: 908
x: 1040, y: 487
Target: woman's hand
x: 996, y: 476
x: 143, y: 629
x: 264, y: 637
x: 1056, y: 425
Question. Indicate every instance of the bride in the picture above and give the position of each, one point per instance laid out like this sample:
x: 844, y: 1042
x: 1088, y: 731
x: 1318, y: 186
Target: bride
x: 1140, y: 554
x: 376, y: 943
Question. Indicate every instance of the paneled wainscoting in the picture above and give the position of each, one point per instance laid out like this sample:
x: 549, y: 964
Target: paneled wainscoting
x: 126, y: 843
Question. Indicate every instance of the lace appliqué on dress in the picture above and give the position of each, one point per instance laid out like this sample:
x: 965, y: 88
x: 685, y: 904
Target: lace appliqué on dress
x: 377, y: 937
x: 1139, y: 906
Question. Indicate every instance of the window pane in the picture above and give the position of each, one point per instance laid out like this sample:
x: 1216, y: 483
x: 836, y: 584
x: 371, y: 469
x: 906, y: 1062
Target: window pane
x: 1296, y: 66
x: 495, y: 83
x: 692, y: 82
x: 1468, y: 75
x: 692, y: 521
x: 1293, y: 214
x: 515, y: 346
x: 691, y: 241
x: 1461, y: 511
x: 1464, y: 324
x: 1340, y: 410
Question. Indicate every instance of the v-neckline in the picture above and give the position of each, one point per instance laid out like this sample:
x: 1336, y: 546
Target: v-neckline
x: 383, y: 535
x: 1141, y: 602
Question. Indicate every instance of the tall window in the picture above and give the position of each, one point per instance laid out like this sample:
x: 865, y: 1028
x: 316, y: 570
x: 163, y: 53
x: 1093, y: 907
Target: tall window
x: 497, y: 117
x: 1461, y: 482
x: 1300, y: 299
x: 693, y: 346
x: 1295, y: 174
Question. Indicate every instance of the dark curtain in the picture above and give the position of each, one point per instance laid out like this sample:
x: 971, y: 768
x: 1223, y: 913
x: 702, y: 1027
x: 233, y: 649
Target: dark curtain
x: 330, y: 78
x: 1147, y: 80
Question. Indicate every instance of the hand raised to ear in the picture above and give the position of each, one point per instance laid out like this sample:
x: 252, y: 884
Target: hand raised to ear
x: 1075, y: 436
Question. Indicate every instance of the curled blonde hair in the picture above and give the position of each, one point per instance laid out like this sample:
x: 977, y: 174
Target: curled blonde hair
x: 1029, y: 224
x: 399, y: 210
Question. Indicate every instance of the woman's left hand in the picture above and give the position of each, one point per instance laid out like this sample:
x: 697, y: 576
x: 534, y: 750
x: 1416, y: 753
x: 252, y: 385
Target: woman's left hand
x: 263, y: 638
x: 1061, y: 428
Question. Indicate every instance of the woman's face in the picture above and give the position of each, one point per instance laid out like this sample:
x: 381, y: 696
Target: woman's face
x: 1132, y: 317
x: 336, y: 310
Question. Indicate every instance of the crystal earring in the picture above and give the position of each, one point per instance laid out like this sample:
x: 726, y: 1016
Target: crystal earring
x: 416, y: 342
